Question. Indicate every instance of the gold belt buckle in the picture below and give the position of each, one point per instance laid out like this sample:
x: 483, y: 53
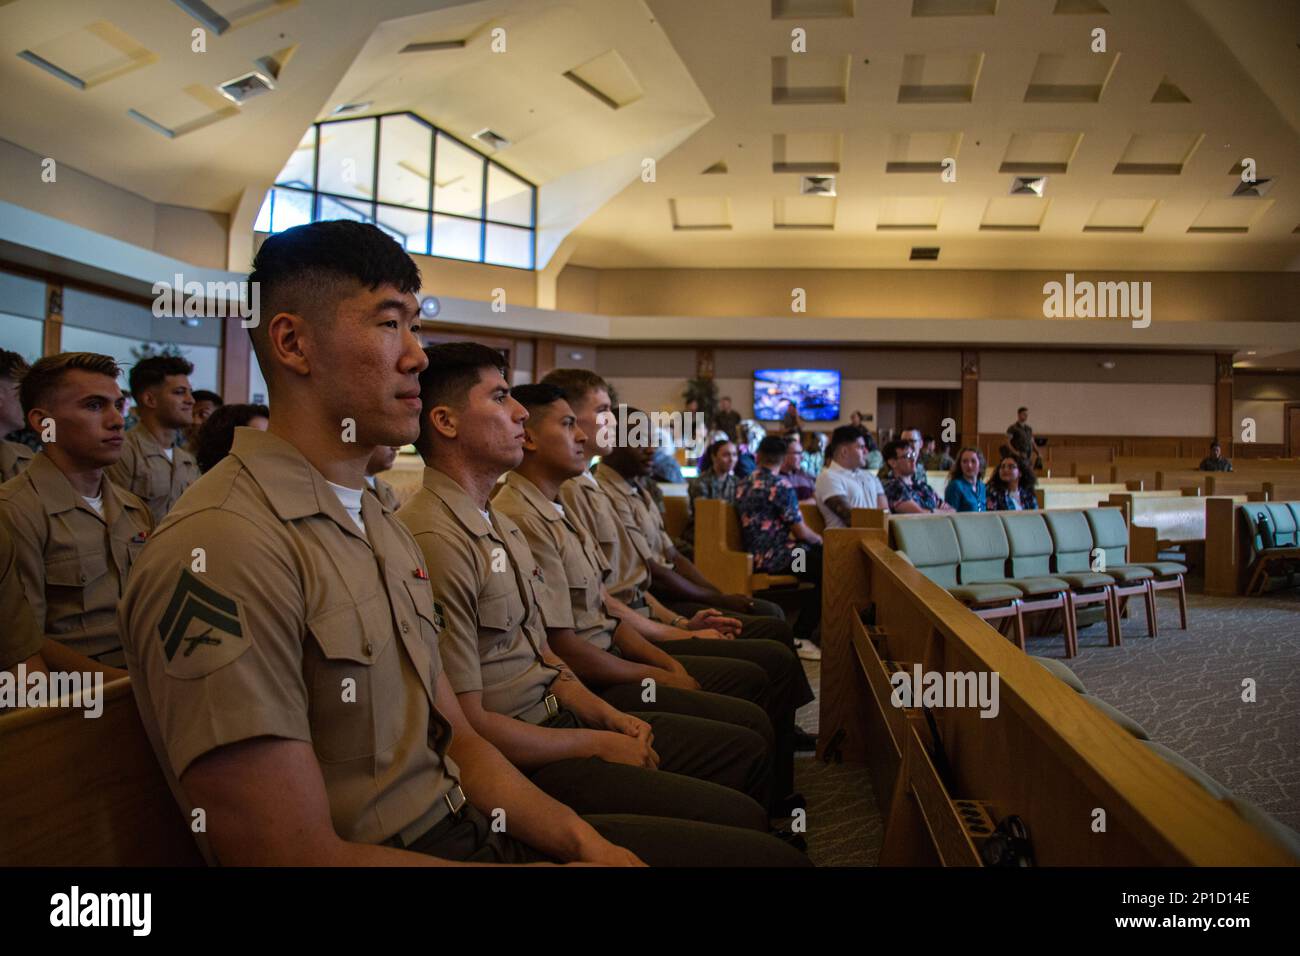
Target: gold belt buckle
x: 455, y: 798
x: 552, y: 705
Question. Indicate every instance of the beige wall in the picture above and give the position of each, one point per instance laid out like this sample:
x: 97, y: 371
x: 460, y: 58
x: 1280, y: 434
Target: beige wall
x: 863, y: 293
x: 451, y: 278
x: 190, y: 235
x: 1094, y: 408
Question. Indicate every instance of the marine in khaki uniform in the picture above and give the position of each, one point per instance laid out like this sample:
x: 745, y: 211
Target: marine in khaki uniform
x: 153, y: 467
x: 14, y: 457
x: 380, y: 462
x: 512, y: 687
x: 75, y: 535
x: 290, y: 679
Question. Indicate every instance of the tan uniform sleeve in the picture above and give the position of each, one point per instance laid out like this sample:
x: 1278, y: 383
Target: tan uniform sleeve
x: 455, y: 587
x: 220, y: 646
x: 20, y: 638
x: 553, y: 598
x: 28, y: 537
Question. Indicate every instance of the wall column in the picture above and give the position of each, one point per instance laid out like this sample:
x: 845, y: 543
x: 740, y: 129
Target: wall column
x: 236, y: 347
x: 1225, y: 429
x: 52, y: 343
x: 970, y: 390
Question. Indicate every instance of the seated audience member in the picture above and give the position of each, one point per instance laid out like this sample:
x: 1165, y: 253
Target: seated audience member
x: 241, y: 698
x: 912, y: 436
x: 906, y: 492
x: 1023, y: 443
x: 14, y: 456
x: 1011, y: 487
x: 935, y: 459
x: 792, y: 469
x: 75, y: 533
x: 214, y: 438
x: 774, y: 532
x: 966, y: 490
x: 856, y: 420
x: 152, y: 466
x: 716, y: 481
x: 875, y: 460
x: 1215, y: 461
x: 610, y: 508
x: 726, y: 419
x: 512, y: 687
x: 381, y: 461
x: 814, y: 453
x: 205, y: 403
x: 845, y: 484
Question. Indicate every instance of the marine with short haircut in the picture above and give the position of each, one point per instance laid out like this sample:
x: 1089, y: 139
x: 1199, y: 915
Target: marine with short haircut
x: 76, y: 535
x: 153, y: 466
x: 380, y: 462
x: 14, y: 456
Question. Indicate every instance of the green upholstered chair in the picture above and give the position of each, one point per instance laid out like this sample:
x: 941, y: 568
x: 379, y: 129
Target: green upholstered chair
x: 1031, y: 560
x: 1072, y: 546
x: 1273, y: 529
x: 985, y: 556
x: 1110, y: 532
x: 930, y: 544
x: 1071, y: 680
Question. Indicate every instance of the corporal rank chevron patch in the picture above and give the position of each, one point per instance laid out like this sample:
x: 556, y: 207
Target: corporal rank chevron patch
x: 201, y: 629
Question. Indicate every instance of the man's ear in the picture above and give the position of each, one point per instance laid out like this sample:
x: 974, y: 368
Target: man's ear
x: 442, y: 418
x: 530, y: 439
x: 148, y: 398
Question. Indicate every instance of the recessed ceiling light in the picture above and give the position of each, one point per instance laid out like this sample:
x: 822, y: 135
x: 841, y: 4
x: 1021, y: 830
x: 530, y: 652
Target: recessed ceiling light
x: 244, y: 88
x: 491, y: 139
x: 343, y: 108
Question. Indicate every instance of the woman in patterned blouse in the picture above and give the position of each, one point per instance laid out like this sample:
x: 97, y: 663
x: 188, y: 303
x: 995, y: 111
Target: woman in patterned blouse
x: 1012, y: 487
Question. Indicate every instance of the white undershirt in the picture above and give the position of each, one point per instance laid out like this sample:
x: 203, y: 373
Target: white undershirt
x: 350, y: 499
x: 170, y: 453
x: 97, y: 503
x: 559, y: 507
x: 370, y: 480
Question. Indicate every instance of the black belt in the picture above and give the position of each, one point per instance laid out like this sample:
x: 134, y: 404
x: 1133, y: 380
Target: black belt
x: 456, y: 802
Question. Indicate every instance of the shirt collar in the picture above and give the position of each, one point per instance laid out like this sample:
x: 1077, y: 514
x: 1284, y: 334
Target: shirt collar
x: 292, y: 486
x: 610, y: 478
x: 148, y: 444
x: 525, y: 489
x: 457, y: 499
x: 57, y: 495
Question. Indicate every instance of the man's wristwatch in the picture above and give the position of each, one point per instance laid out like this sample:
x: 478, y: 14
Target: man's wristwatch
x: 679, y: 621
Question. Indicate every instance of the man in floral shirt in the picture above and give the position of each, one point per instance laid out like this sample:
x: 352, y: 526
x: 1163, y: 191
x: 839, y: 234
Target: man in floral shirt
x: 906, y: 492
x: 774, y: 532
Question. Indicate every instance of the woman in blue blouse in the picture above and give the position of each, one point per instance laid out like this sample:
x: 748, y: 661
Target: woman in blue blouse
x: 1012, y: 488
x: 966, y: 490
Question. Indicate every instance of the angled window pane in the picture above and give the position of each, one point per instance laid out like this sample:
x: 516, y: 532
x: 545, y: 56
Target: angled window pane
x: 508, y: 246
x: 22, y: 335
x: 331, y: 208
x: 300, y: 170
x: 456, y: 238
x: 263, y: 221
x: 510, y: 199
x: 289, y: 208
x: 347, y: 158
x: 459, y: 179
x: 405, y: 148
x: 407, y: 226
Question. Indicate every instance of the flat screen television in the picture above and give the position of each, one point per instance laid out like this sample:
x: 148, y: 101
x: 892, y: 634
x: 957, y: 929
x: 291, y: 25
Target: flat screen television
x: 815, y: 392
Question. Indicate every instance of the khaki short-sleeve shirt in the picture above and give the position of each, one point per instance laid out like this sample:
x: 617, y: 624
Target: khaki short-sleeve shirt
x: 485, y: 586
x: 73, y: 563
x: 14, y: 458
x: 145, y: 471
x: 571, y: 562
x: 260, y: 610
x: 588, y: 505
x: 20, y: 638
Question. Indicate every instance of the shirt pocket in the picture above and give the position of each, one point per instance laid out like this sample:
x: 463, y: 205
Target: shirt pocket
x: 499, y: 614
x: 352, y: 676
x: 68, y: 579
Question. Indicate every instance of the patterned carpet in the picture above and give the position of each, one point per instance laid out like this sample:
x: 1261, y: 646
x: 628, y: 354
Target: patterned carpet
x: 1184, y: 687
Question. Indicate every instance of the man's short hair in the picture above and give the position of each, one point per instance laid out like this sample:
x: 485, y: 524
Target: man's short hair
x: 203, y: 395
x: 454, y: 369
x: 154, y: 370
x: 44, y: 377
x: 725, y: 398
x: 302, y: 270
x: 1218, y: 445
x: 537, y: 395
x: 12, y: 365
x: 1022, y: 408
x: 576, y: 383
x: 772, y: 449
x: 894, y: 447
x: 843, y: 435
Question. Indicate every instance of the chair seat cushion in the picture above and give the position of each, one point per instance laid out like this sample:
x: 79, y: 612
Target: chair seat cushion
x: 985, y: 593
x: 1117, y: 715
x: 1039, y: 585
x: 1061, y: 672
x: 1165, y: 568
x: 1125, y: 573
x: 1086, y: 579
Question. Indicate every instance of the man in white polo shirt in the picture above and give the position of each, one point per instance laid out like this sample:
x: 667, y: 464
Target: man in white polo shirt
x: 845, y: 483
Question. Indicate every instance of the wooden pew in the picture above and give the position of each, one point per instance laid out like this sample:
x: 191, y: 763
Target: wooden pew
x: 87, y: 792
x: 1075, y: 496
x: 1080, y: 759
x: 1283, y: 490
x: 720, y: 554
x: 675, y: 515
x: 812, y: 515
x: 1159, y: 521
x: 1227, y: 550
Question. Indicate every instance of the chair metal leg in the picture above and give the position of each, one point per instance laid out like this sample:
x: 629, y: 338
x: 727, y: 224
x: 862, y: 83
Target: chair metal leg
x: 1071, y: 624
x: 1149, y: 598
x: 1182, y: 601
x: 1113, y: 620
x: 1019, y: 626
